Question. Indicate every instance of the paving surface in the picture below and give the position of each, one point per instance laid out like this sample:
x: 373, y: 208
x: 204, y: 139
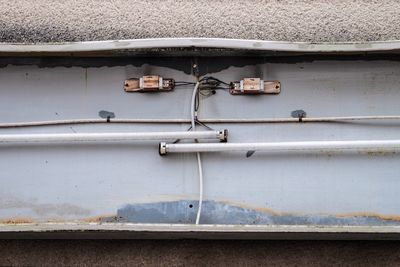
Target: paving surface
x: 197, y: 253
x: 284, y: 20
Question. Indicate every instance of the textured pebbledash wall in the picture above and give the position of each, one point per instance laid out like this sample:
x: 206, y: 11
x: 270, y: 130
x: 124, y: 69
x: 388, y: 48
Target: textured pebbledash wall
x: 285, y: 20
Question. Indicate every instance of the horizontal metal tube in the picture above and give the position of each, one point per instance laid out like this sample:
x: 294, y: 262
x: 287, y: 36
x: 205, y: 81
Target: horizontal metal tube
x: 280, y: 146
x: 109, y: 137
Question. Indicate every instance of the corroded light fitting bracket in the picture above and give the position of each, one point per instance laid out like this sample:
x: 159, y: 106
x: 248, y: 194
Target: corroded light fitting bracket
x: 254, y: 86
x: 151, y: 83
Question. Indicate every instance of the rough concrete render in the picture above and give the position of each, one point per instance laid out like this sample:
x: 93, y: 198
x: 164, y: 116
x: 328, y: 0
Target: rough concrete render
x: 287, y: 20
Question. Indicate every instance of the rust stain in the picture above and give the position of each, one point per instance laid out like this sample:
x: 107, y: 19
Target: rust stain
x: 24, y: 220
x: 98, y: 219
x: 262, y: 209
x: 16, y: 220
x: 387, y: 217
x: 114, y: 217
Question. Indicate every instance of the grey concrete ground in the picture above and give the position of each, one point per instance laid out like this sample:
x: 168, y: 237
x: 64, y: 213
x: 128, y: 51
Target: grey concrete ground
x: 283, y: 20
x: 197, y: 253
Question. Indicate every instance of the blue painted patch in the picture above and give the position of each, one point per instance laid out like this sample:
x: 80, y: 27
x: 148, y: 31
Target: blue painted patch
x: 184, y: 211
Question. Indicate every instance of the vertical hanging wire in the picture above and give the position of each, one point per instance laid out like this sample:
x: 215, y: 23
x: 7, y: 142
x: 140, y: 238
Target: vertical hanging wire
x: 193, y: 113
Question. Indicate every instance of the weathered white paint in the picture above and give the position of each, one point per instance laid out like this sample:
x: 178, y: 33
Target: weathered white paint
x: 73, y: 183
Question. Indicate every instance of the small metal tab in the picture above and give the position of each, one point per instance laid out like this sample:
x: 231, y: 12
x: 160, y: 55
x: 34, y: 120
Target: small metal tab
x: 162, y: 148
x: 223, y: 136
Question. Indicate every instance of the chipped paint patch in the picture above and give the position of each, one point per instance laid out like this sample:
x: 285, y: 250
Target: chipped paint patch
x: 213, y: 212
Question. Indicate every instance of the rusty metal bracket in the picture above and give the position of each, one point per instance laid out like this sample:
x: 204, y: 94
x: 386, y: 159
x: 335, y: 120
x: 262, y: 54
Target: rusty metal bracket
x: 151, y: 83
x: 254, y: 86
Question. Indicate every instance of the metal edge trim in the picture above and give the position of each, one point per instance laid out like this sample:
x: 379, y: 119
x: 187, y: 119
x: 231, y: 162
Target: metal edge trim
x: 259, y: 45
x: 45, y: 227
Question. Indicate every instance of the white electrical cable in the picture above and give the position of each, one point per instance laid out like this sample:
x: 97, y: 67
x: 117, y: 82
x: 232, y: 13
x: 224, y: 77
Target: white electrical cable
x: 199, y: 164
x: 88, y: 121
x: 305, y: 119
x: 193, y: 115
x: 205, y: 120
x: 193, y: 112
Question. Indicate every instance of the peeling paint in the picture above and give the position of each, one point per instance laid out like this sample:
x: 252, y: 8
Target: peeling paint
x: 213, y: 212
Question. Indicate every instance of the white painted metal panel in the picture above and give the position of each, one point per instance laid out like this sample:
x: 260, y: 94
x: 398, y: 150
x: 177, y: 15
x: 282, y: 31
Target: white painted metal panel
x: 132, y: 183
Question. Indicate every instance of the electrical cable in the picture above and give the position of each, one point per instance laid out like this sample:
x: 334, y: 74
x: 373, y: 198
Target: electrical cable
x: 205, y: 120
x: 193, y: 117
x: 183, y: 83
x: 212, y: 83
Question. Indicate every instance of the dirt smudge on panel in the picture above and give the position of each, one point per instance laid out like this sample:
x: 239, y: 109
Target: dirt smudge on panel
x: 379, y: 153
x: 44, y: 209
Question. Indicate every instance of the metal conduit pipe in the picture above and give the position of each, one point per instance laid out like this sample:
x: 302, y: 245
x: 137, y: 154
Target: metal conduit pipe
x: 303, y: 146
x: 110, y: 137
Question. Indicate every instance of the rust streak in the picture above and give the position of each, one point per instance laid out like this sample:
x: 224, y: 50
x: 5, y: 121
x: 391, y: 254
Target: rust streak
x: 97, y: 219
x: 16, y: 220
x: 387, y: 217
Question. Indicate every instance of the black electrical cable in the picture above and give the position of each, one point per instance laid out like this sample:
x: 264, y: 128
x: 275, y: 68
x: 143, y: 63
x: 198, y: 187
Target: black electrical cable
x: 181, y: 83
x: 212, y: 83
x: 210, y: 78
x: 207, y: 83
